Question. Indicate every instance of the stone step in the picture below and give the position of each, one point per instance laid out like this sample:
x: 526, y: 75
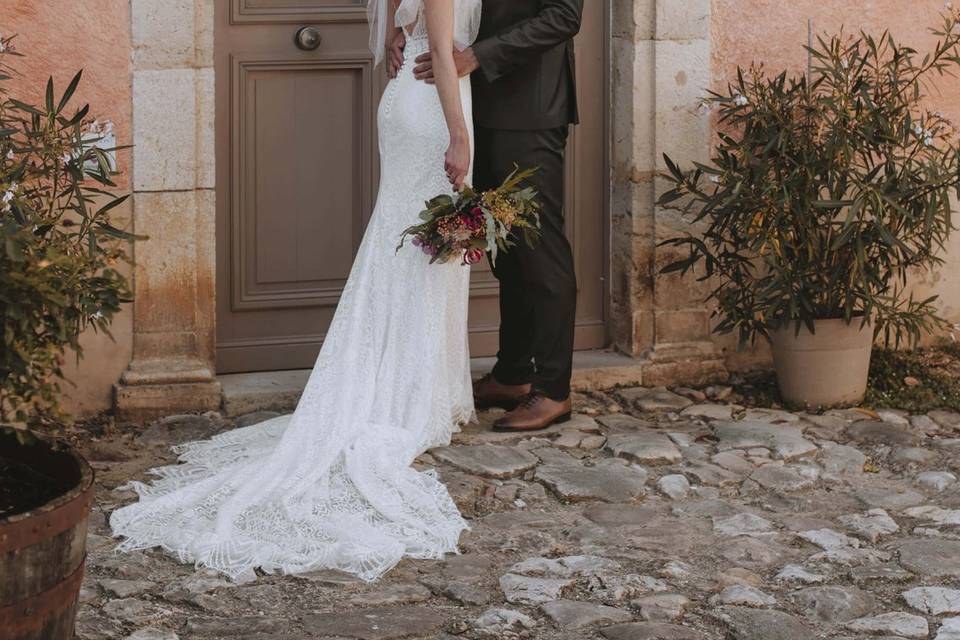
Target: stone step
x: 280, y: 390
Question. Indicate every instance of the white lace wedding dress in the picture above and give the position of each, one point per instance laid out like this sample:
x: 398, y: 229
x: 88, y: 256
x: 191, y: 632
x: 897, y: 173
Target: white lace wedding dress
x: 331, y: 486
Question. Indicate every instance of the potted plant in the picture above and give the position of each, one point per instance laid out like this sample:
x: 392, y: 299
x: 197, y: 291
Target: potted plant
x: 58, y: 255
x: 824, y: 193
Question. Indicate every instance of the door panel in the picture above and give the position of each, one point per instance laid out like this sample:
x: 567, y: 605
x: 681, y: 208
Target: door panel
x: 294, y: 236
x: 297, y: 170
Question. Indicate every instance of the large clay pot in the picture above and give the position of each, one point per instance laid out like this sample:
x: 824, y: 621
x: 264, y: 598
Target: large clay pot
x: 825, y: 368
x: 42, y: 551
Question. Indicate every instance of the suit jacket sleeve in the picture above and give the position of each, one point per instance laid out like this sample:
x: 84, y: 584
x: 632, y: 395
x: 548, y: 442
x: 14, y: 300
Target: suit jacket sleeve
x: 557, y: 22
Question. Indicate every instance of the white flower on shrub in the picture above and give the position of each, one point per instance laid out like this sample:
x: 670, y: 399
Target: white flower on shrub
x: 740, y: 101
x: 100, y: 129
x: 10, y: 155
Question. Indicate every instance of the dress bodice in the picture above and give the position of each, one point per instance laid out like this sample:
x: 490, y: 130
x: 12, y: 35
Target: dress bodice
x: 415, y: 29
x: 466, y: 20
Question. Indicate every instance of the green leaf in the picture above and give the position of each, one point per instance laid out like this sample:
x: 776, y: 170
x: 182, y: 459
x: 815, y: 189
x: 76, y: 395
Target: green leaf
x: 49, y: 95
x: 22, y: 106
x: 71, y: 89
x: 78, y: 116
x: 119, y: 233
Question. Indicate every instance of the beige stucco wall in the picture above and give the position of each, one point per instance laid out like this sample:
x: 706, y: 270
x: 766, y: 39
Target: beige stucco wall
x: 59, y: 37
x: 775, y: 32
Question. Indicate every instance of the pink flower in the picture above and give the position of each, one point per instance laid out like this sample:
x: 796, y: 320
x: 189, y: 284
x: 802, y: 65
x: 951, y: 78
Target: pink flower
x: 472, y: 222
x: 473, y: 256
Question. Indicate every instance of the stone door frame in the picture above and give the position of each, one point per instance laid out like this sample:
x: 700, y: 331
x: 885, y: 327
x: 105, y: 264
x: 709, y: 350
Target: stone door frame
x: 659, y: 67
x: 660, y: 70
x: 173, y: 204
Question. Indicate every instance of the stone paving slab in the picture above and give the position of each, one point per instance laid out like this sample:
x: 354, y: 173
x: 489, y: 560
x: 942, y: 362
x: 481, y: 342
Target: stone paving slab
x: 488, y: 460
x: 654, y: 399
x: 785, y: 440
x: 605, y: 480
x: 645, y: 447
x: 655, y: 514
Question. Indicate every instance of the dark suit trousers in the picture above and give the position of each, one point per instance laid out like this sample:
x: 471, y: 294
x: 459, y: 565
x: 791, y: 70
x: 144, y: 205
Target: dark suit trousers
x: 538, y: 286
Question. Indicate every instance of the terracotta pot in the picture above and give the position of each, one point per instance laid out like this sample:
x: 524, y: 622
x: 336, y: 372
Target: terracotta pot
x: 42, y: 551
x: 825, y: 368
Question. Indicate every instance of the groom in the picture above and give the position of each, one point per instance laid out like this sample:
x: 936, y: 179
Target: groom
x: 524, y: 97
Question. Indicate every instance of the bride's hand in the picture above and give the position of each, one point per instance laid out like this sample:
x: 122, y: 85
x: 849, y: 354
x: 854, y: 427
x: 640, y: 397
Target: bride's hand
x: 457, y: 161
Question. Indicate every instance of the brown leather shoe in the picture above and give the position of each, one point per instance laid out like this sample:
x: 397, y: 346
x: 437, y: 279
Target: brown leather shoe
x: 487, y: 392
x: 536, y: 412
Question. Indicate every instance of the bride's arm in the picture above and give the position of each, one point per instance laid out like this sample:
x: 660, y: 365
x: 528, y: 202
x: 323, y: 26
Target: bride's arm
x: 439, y: 16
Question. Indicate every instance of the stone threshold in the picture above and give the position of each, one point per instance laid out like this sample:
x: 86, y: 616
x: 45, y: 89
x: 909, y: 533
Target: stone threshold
x: 279, y: 390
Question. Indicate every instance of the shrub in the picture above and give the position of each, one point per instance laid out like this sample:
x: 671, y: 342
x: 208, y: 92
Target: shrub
x: 59, y: 248
x: 825, y: 189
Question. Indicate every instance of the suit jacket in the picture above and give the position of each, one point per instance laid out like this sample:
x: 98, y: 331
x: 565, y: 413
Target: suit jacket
x: 526, y: 77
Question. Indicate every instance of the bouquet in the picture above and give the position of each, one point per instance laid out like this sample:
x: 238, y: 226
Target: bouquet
x: 466, y: 225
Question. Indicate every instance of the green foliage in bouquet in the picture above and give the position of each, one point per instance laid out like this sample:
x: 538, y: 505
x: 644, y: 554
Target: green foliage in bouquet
x: 826, y: 190
x: 58, y: 246
x: 469, y: 223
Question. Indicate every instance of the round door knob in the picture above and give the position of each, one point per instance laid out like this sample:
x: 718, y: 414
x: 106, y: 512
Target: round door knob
x: 307, y: 38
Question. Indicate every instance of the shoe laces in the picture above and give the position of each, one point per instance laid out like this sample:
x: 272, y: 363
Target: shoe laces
x: 531, y: 400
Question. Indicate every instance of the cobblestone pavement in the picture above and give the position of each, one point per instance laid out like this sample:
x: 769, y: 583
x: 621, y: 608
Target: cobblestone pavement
x: 652, y: 515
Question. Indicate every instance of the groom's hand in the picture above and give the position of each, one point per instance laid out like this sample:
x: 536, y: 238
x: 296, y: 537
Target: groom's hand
x: 395, y: 54
x: 466, y: 64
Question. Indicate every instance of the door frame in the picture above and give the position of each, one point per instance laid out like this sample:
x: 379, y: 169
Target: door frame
x: 607, y: 171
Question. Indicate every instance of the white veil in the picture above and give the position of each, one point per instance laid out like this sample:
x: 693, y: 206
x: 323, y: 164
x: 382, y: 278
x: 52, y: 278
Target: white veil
x: 377, y: 11
x: 465, y: 28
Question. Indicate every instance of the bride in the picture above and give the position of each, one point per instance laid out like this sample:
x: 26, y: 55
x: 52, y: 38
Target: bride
x: 331, y: 486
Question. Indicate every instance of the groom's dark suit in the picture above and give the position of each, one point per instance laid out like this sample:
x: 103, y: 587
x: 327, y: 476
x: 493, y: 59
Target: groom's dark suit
x: 524, y: 97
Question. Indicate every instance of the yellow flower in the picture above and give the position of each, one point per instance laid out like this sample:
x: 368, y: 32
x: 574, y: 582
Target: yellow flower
x: 501, y: 208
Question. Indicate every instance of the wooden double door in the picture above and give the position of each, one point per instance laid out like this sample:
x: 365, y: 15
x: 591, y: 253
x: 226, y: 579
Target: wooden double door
x: 297, y: 172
